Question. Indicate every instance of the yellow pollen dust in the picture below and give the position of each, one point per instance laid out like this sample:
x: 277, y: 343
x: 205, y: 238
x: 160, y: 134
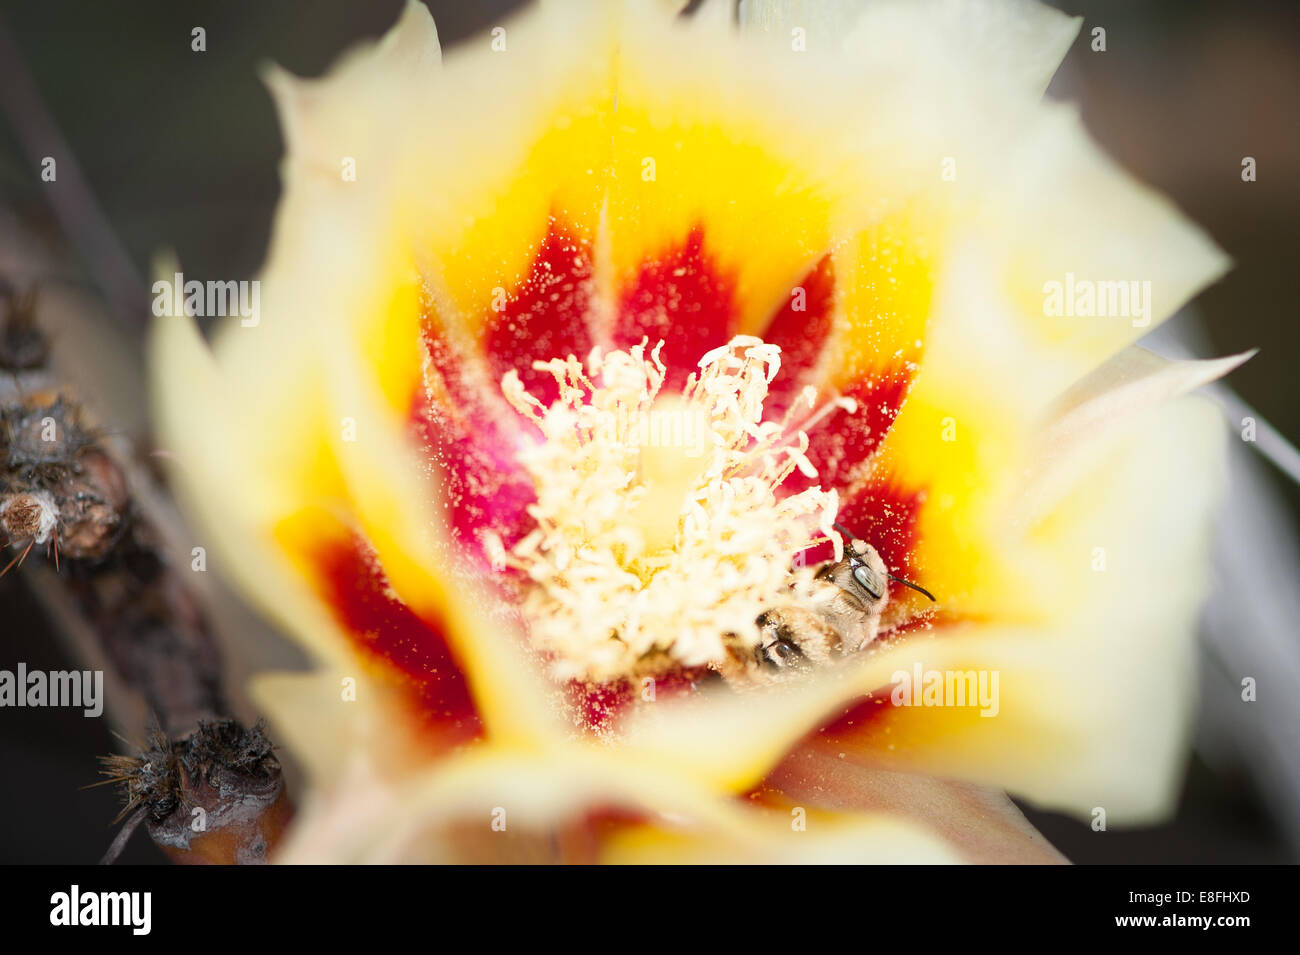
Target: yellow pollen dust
x: 660, y: 534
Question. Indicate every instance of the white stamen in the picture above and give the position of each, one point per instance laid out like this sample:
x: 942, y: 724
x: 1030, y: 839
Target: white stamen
x: 660, y: 535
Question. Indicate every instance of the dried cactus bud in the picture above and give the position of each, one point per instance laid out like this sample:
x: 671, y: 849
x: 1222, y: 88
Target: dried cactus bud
x: 29, y: 516
x: 215, y: 797
x: 41, y: 437
x: 92, y: 506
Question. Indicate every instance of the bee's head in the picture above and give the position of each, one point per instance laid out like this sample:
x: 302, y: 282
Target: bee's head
x: 864, y: 571
x: 867, y: 571
x: 861, y: 574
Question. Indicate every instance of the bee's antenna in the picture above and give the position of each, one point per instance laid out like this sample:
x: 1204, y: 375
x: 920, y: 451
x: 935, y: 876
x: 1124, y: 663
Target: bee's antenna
x: 854, y: 560
x: 908, y: 583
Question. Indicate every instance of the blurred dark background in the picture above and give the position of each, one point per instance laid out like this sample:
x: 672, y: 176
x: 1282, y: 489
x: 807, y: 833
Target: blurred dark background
x: 181, y: 151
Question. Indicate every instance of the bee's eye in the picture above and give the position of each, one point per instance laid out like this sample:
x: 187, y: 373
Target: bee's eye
x: 868, y: 581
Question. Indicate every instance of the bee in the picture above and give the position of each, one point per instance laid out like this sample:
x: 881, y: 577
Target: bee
x: 839, y: 615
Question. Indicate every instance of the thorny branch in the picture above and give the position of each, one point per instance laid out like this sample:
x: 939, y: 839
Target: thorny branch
x: 208, y: 789
x: 77, y: 490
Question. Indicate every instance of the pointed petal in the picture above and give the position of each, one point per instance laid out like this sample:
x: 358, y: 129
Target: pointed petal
x: 982, y: 825
x: 1021, y: 40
